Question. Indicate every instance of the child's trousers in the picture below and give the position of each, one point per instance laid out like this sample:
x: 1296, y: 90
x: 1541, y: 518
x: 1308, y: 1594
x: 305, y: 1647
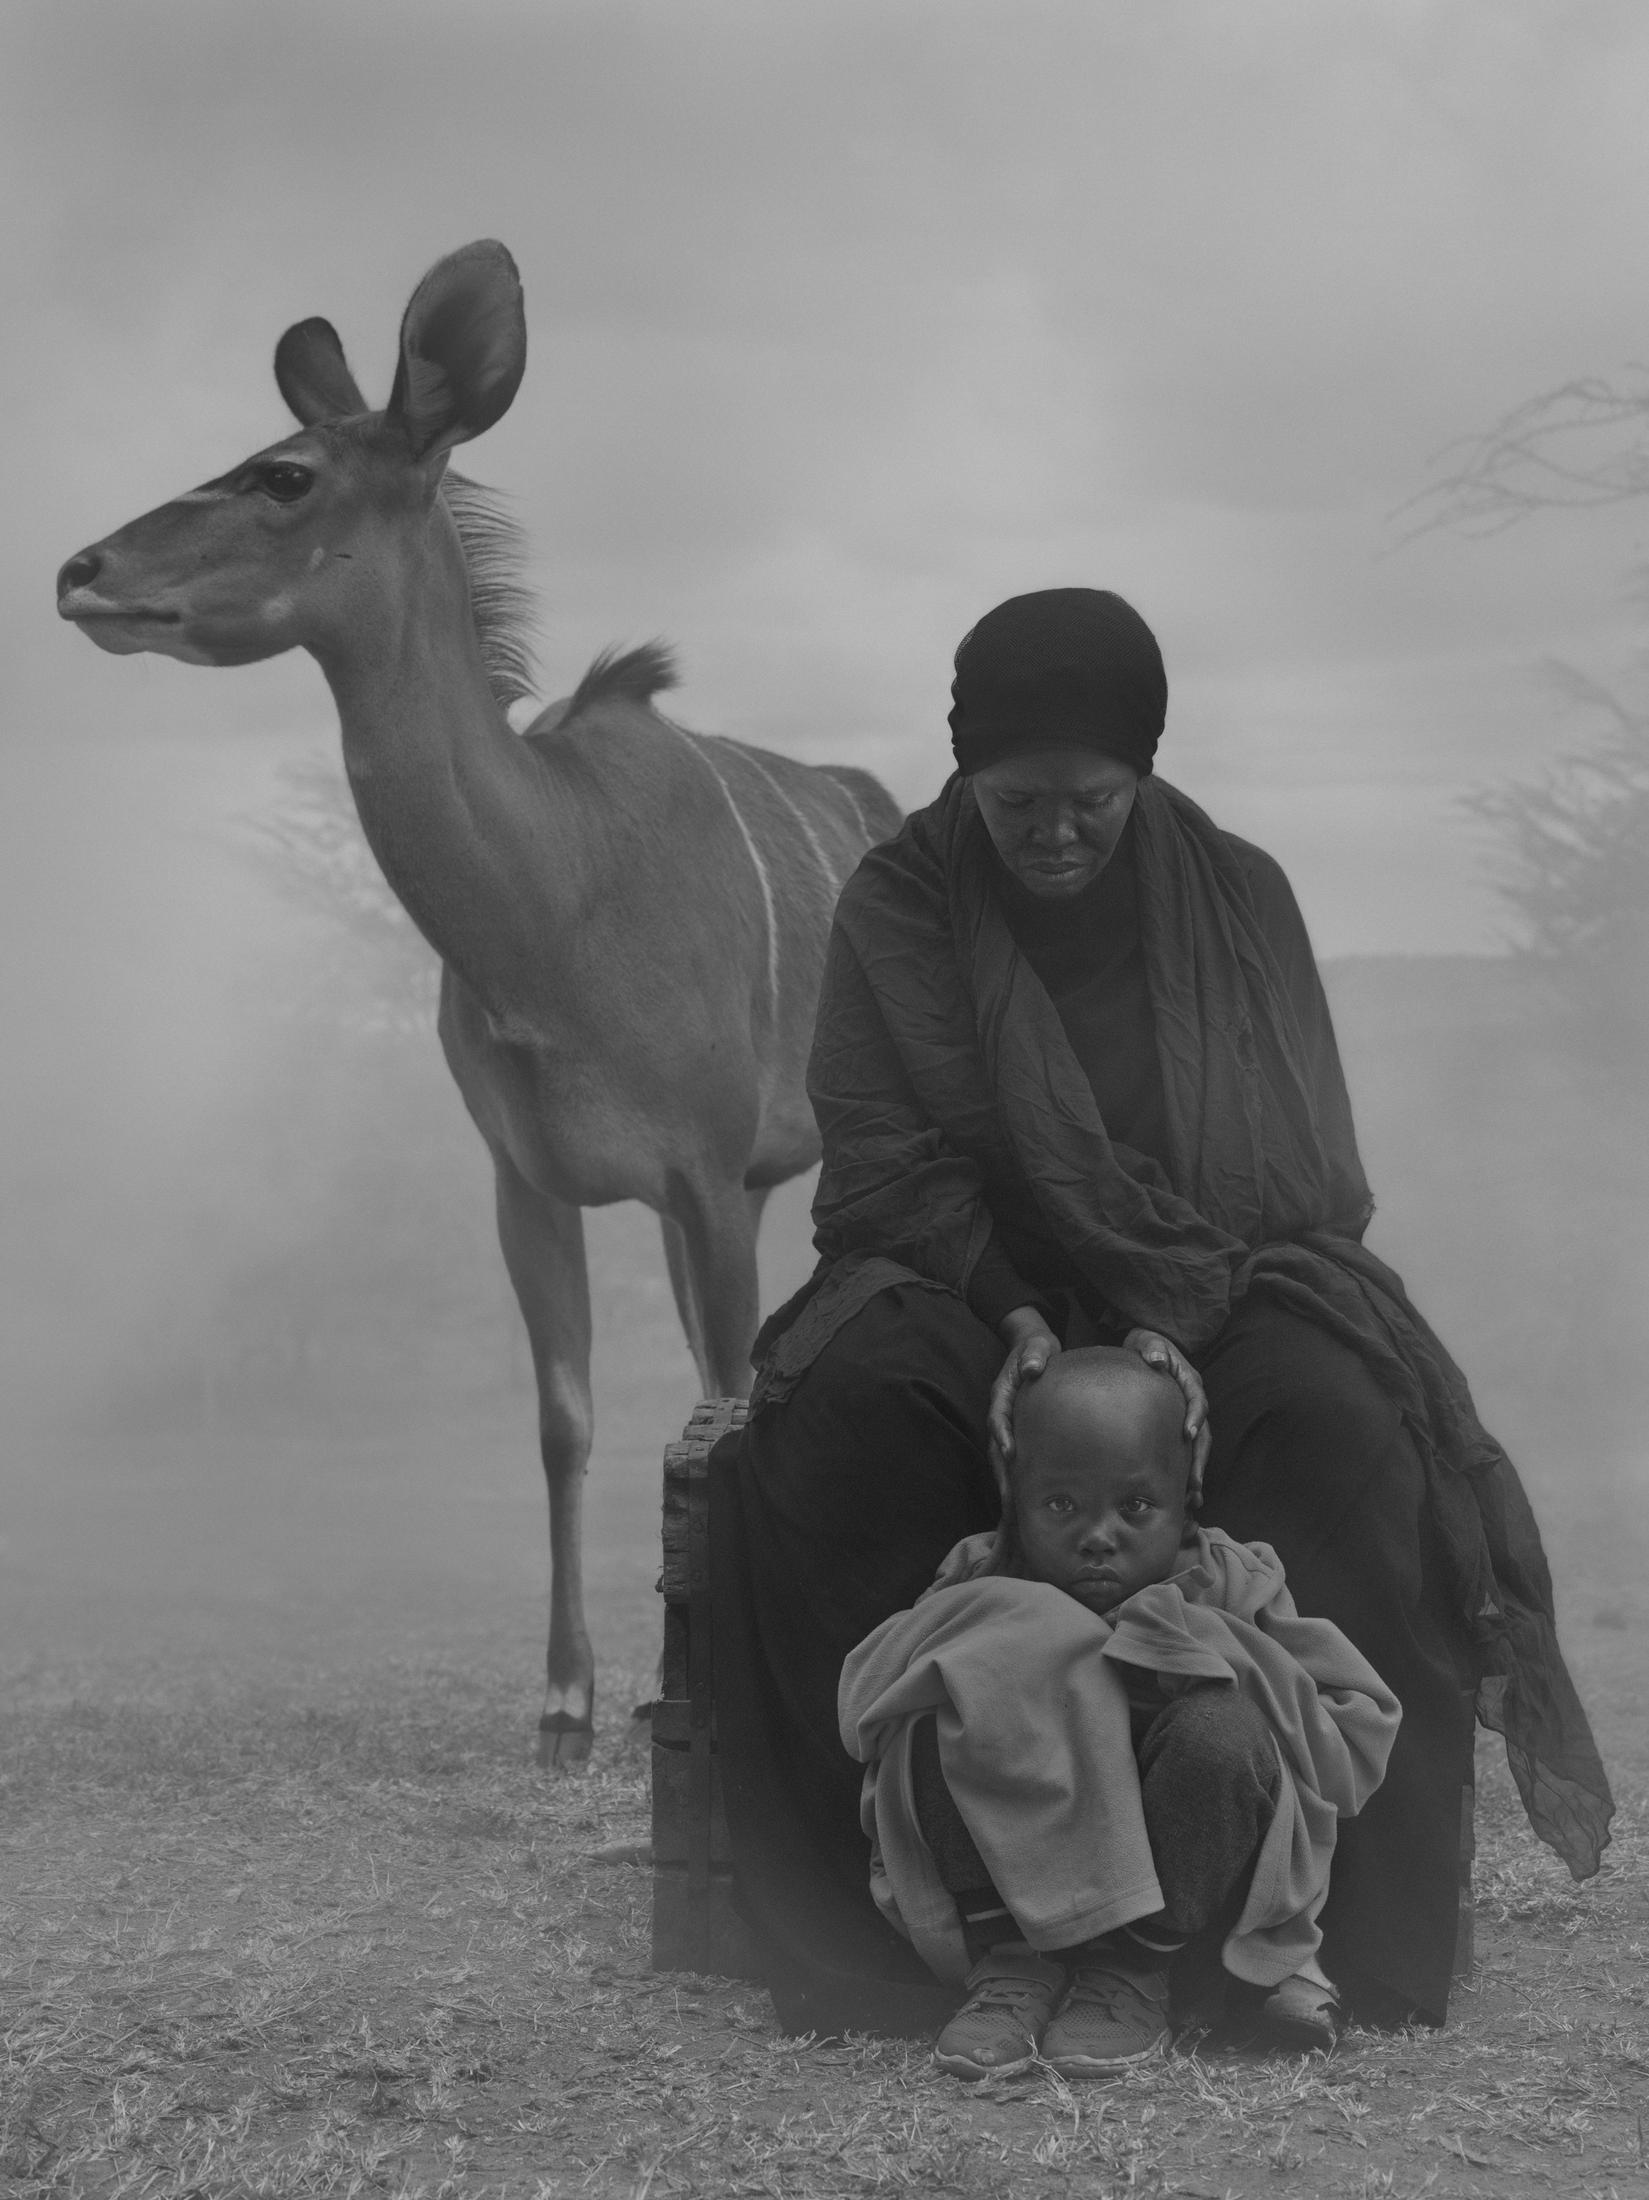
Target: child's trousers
x: 1208, y: 1776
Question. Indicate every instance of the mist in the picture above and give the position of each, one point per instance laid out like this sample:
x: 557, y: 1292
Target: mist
x: 844, y: 323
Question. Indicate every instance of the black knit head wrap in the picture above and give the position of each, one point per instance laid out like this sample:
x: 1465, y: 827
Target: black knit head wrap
x: 1061, y: 668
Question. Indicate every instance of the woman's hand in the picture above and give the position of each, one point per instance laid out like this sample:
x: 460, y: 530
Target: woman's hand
x: 1166, y: 1357
x: 1031, y: 1345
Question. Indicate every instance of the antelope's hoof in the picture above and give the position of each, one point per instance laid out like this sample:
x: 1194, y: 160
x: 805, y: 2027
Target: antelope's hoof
x: 564, y: 1741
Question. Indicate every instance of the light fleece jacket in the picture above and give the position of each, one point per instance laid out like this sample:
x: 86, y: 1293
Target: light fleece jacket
x: 1033, y: 1732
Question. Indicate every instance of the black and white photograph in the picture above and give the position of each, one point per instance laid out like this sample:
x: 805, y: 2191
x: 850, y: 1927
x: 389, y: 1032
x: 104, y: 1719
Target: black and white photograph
x: 824, y: 926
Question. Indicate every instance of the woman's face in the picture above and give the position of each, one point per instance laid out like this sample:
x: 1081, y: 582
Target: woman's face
x: 1055, y: 816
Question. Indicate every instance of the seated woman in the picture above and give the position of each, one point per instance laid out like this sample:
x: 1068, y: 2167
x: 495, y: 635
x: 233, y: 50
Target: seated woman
x: 1077, y: 1084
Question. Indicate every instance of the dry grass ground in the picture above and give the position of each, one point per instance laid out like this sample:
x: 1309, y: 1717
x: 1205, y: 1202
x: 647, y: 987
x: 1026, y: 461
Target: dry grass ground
x: 325, y: 1933
x: 285, y: 1911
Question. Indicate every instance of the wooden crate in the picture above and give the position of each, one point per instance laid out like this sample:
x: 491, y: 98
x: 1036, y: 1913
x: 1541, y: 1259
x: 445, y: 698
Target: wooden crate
x: 695, y: 1927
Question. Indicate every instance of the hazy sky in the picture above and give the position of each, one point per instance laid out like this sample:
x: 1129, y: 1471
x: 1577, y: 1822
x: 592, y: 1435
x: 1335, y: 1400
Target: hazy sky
x: 846, y: 320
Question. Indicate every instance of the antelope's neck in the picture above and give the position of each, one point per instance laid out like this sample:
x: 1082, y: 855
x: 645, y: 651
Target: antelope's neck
x: 464, y: 819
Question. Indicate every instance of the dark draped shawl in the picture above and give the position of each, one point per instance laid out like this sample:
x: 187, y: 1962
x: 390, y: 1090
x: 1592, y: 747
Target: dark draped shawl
x: 940, y: 1065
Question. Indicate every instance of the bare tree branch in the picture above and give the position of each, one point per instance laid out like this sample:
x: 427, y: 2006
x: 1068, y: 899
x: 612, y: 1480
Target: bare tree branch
x: 1581, y: 445
x: 1572, y: 846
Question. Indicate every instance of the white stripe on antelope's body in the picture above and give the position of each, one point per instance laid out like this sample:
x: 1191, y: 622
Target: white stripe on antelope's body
x: 631, y: 919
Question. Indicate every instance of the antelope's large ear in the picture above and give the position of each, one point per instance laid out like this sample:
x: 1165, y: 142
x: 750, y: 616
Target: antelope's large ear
x: 311, y: 375
x: 463, y: 349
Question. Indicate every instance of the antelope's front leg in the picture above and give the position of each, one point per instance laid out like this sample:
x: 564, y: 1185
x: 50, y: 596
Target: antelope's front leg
x: 543, y: 1244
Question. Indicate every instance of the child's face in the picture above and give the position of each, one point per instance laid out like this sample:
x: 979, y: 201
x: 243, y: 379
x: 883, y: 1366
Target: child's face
x: 1100, y: 1500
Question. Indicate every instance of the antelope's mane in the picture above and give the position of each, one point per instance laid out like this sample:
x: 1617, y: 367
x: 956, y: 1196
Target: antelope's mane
x: 505, y: 611
x: 636, y: 675
x: 504, y: 607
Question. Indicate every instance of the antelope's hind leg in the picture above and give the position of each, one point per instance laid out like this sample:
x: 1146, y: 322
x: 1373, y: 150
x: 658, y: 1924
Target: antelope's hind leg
x: 543, y: 1245
x: 684, y: 1290
x: 710, y: 1246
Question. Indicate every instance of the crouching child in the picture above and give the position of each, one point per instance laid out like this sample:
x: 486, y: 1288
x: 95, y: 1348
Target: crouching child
x: 1102, y: 1732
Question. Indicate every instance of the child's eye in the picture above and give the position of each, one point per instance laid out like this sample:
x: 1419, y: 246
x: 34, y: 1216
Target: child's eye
x: 1060, y: 1505
x: 1137, y: 1507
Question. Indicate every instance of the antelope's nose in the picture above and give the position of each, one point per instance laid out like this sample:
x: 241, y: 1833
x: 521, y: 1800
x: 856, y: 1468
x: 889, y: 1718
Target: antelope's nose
x: 80, y: 572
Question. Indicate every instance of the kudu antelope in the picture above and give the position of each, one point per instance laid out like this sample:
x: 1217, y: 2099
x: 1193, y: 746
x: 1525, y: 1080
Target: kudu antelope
x: 631, y: 917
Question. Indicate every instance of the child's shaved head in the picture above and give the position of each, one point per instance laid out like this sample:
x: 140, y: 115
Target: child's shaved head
x: 1096, y: 1498
x: 1101, y: 1385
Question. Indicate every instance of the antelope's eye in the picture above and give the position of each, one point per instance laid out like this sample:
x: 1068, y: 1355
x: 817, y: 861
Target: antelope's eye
x: 284, y: 481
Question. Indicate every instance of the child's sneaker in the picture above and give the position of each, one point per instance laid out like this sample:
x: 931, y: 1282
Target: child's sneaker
x: 1011, y: 1994
x: 1114, y: 2013
x: 1303, y: 2013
